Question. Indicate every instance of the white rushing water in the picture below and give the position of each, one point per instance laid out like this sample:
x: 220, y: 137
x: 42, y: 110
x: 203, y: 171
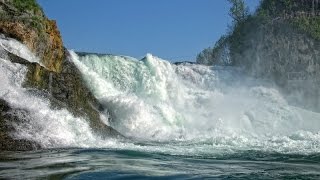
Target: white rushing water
x: 15, y: 47
x: 39, y: 121
x: 154, y: 100
x: 183, y: 110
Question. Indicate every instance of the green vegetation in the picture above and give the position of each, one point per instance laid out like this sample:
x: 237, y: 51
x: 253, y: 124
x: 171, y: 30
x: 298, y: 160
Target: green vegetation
x: 238, y: 11
x: 25, y: 11
x: 217, y: 55
x: 301, y: 15
x: 310, y: 25
x: 37, y: 23
x: 27, y: 5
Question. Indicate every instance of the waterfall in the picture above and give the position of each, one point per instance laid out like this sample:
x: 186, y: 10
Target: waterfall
x: 152, y: 99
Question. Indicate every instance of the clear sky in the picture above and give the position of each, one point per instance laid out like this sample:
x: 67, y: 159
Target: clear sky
x: 170, y: 29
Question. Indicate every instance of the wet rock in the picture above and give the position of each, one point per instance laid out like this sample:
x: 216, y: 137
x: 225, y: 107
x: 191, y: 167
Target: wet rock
x: 58, y: 80
x: 69, y: 89
x: 7, y: 141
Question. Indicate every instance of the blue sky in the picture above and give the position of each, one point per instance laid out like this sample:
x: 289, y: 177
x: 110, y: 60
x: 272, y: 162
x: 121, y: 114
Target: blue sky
x: 170, y: 29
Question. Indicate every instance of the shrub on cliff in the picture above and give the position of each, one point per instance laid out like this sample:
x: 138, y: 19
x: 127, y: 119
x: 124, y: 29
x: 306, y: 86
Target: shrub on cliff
x: 25, y: 21
x: 27, y: 5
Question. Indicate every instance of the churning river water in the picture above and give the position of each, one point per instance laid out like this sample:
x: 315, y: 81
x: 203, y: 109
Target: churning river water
x: 181, y: 121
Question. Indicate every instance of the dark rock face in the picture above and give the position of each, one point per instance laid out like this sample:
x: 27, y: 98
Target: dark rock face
x: 289, y: 57
x: 184, y: 62
x: 67, y: 90
x: 276, y: 50
x: 7, y: 141
x: 64, y: 90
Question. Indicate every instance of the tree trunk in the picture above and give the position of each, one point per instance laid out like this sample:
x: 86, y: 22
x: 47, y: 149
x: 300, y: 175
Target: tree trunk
x: 313, y: 7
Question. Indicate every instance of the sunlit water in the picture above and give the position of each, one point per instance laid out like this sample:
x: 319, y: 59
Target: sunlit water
x: 181, y: 121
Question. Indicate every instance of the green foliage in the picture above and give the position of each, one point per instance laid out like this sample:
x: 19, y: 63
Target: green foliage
x: 205, y: 57
x: 300, y: 14
x: 26, y: 11
x: 27, y: 5
x: 294, y: 14
x: 238, y: 11
x: 217, y: 55
x: 274, y: 7
x: 273, y: 16
x: 277, y: 8
x: 37, y: 23
x: 308, y: 25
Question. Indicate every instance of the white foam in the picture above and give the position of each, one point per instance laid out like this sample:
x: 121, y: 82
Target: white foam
x: 39, y: 121
x: 154, y: 100
x: 191, y: 109
x: 15, y: 47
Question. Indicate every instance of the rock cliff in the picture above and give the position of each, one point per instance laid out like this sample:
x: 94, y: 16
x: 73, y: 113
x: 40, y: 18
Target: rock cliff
x: 25, y: 21
x: 280, y: 42
x: 56, y: 76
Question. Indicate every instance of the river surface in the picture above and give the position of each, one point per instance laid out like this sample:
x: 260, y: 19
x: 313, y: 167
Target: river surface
x: 134, y: 164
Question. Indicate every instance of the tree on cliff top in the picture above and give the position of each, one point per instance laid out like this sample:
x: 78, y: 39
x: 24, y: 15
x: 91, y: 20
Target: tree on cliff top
x: 238, y: 11
x: 301, y: 15
x: 217, y: 55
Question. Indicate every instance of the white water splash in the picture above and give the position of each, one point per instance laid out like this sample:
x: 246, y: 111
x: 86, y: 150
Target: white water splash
x: 153, y: 99
x: 15, y: 47
x: 193, y: 109
x: 39, y: 121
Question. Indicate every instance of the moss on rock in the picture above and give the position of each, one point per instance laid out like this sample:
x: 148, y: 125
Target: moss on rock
x: 25, y: 21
